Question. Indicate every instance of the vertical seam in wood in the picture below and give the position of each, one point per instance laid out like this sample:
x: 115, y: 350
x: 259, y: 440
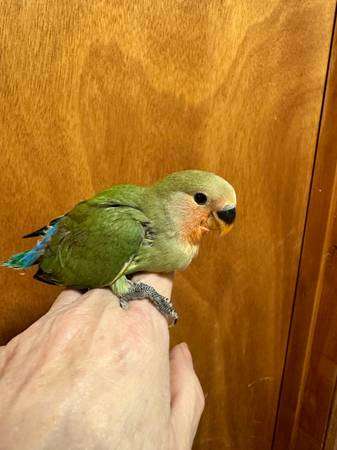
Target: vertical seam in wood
x: 331, y: 408
x: 323, y: 260
x: 304, y: 371
x: 312, y: 327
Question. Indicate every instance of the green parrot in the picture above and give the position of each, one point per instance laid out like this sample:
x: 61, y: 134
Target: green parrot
x: 102, y: 241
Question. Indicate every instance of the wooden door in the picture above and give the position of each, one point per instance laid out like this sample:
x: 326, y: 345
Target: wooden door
x: 307, y: 415
x: 98, y: 92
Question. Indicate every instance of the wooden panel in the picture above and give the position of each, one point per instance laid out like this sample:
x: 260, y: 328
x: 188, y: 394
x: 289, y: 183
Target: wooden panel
x: 331, y: 439
x: 311, y: 367
x: 96, y: 93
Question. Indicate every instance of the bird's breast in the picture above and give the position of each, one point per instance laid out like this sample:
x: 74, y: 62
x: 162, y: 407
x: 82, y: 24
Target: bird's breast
x: 190, y: 251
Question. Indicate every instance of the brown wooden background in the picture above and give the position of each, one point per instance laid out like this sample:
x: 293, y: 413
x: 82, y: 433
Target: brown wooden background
x: 307, y: 416
x: 94, y: 93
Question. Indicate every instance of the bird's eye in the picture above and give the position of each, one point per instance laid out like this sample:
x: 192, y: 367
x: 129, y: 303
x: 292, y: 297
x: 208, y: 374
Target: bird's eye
x: 200, y: 198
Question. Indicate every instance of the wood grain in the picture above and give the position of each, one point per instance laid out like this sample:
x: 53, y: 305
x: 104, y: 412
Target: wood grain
x: 331, y: 438
x: 96, y: 92
x: 311, y: 367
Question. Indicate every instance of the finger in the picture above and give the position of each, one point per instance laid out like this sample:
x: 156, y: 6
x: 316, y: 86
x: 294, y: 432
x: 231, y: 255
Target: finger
x: 96, y: 302
x: 93, y: 300
x: 187, y: 398
x: 66, y: 298
x: 161, y: 282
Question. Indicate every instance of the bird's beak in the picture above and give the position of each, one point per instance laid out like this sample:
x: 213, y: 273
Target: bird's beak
x: 223, y: 220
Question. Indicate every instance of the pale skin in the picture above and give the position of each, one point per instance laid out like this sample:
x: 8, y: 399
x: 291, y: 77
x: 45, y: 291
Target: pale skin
x: 90, y: 375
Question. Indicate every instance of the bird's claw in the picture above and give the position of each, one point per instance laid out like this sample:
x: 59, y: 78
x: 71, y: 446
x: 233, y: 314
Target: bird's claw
x: 141, y: 291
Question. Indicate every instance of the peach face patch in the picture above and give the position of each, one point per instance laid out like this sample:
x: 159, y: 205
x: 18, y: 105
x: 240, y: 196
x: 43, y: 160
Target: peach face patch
x: 194, y: 223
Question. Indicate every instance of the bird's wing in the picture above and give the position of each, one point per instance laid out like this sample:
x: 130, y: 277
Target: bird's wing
x: 94, y: 245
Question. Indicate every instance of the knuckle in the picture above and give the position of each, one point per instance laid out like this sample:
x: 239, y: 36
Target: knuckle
x: 100, y: 295
x: 96, y: 295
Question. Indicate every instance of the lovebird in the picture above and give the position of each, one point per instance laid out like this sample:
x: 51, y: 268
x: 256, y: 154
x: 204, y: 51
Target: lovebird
x: 126, y: 229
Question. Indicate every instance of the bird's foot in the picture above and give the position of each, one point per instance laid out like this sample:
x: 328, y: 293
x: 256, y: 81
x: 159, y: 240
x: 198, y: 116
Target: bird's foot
x: 139, y: 291
x: 124, y: 304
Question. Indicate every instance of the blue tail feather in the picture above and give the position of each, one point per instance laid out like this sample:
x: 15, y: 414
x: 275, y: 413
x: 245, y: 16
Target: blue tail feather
x: 23, y: 260
x: 30, y: 257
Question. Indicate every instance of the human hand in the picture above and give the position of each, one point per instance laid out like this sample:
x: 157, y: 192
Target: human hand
x: 89, y: 375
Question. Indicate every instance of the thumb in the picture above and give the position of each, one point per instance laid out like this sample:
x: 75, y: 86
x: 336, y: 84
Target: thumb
x: 187, y: 398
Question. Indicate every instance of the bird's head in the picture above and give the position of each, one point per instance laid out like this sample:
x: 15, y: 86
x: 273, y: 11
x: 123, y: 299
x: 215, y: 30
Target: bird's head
x: 198, y: 202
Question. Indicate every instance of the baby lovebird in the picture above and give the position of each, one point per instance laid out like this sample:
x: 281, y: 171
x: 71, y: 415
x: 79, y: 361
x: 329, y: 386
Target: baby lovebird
x: 102, y: 241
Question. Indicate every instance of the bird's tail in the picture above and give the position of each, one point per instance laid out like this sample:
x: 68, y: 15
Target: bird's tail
x: 23, y: 260
x: 28, y: 258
